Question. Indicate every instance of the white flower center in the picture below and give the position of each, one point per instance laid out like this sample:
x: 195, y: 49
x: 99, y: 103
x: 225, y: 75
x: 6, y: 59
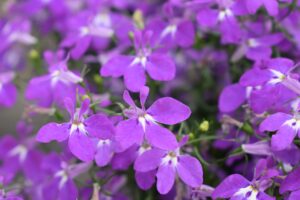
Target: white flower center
x: 63, y: 177
x: 19, y: 150
x: 249, y: 193
x: 143, y: 119
x: 170, y: 29
x: 277, y: 77
x: 224, y: 13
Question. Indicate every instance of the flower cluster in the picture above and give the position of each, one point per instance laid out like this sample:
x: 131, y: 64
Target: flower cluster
x: 137, y: 99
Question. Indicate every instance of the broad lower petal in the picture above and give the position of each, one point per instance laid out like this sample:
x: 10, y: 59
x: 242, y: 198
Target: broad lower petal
x: 274, y: 122
x: 116, y: 66
x: 135, y: 78
x: 99, y: 126
x: 145, y: 180
x: 160, y: 67
x: 283, y: 138
x: 149, y: 160
x: 169, y: 111
x: 53, y: 131
x: 232, y: 97
x: 104, y: 154
x: 190, y: 171
x: 160, y: 137
x: 165, y: 178
x: 129, y: 132
x: 82, y: 146
x: 229, y: 186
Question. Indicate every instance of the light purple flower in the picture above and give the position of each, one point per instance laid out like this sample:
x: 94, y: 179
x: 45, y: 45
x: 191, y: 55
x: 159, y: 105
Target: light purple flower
x: 286, y: 126
x: 170, y: 164
x: 143, y: 124
x: 80, y: 130
x: 159, y: 66
x: 55, y: 86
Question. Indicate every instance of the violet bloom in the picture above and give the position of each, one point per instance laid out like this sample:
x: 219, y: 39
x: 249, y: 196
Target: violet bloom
x: 80, y: 130
x: 291, y: 184
x: 59, y: 174
x: 89, y: 29
x: 8, y: 92
x: 104, y: 152
x: 170, y: 164
x: 143, y: 124
x: 236, y: 187
x: 55, y: 86
x: 159, y: 66
x: 287, y: 126
x: 222, y: 18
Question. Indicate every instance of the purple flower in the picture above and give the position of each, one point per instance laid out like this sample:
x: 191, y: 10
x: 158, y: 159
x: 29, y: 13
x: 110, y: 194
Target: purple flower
x: 236, y: 187
x: 271, y: 6
x: 58, y: 182
x: 143, y: 124
x: 80, y: 130
x: 158, y: 65
x: 8, y: 92
x: 169, y: 164
x: 55, y: 86
x: 286, y: 126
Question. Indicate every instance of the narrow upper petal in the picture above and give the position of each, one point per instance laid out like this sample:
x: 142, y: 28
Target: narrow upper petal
x: 53, y: 131
x: 169, y: 111
x: 145, y: 180
x: 283, y: 138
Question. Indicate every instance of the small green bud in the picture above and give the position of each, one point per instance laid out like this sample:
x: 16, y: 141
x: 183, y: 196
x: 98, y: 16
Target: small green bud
x: 33, y: 54
x: 191, y: 136
x: 138, y: 19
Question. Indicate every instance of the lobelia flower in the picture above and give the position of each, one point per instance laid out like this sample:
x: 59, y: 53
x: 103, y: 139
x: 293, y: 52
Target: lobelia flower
x: 143, y: 124
x: 59, y: 84
x: 286, y: 127
x: 90, y: 29
x: 223, y: 19
x: 159, y: 66
x: 5, y: 193
x: 80, y: 130
x: 58, y: 182
x: 170, y: 164
x: 236, y: 187
x: 8, y: 92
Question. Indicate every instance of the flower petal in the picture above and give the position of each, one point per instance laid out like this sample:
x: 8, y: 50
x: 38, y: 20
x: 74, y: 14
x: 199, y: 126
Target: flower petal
x: 161, y: 67
x: 190, y: 171
x: 82, y: 146
x: 232, y: 97
x: 104, y: 154
x: 165, y: 178
x: 160, y: 137
x: 99, y: 126
x: 229, y: 186
x: 145, y: 180
x: 274, y: 122
x: 283, y: 138
x: 149, y: 160
x: 129, y: 132
x: 53, y: 131
x: 116, y: 66
x: 169, y: 111
x: 135, y: 78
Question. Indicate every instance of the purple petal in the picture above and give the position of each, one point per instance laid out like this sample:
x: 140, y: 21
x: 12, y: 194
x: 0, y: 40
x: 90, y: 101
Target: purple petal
x: 116, y: 66
x: 254, y: 77
x: 84, y: 107
x: 207, y: 17
x: 68, y: 191
x: 145, y: 180
x: 160, y: 137
x: 53, y: 131
x: 165, y: 178
x: 294, y: 195
x: 232, y: 97
x: 229, y: 186
x: 149, y: 160
x: 129, y: 132
x: 127, y: 98
x: 81, y: 46
x: 253, y: 6
x: 283, y: 138
x: 185, y: 35
x: 190, y: 171
x: 161, y: 67
x: 291, y: 182
x: 99, y: 126
x: 82, y: 146
x: 135, y: 78
x: 264, y: 196
x: 70, y: 106
x: 104, y: 153
x: 169, y: 111
x: 271, y: 6
x: 274, y: 122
